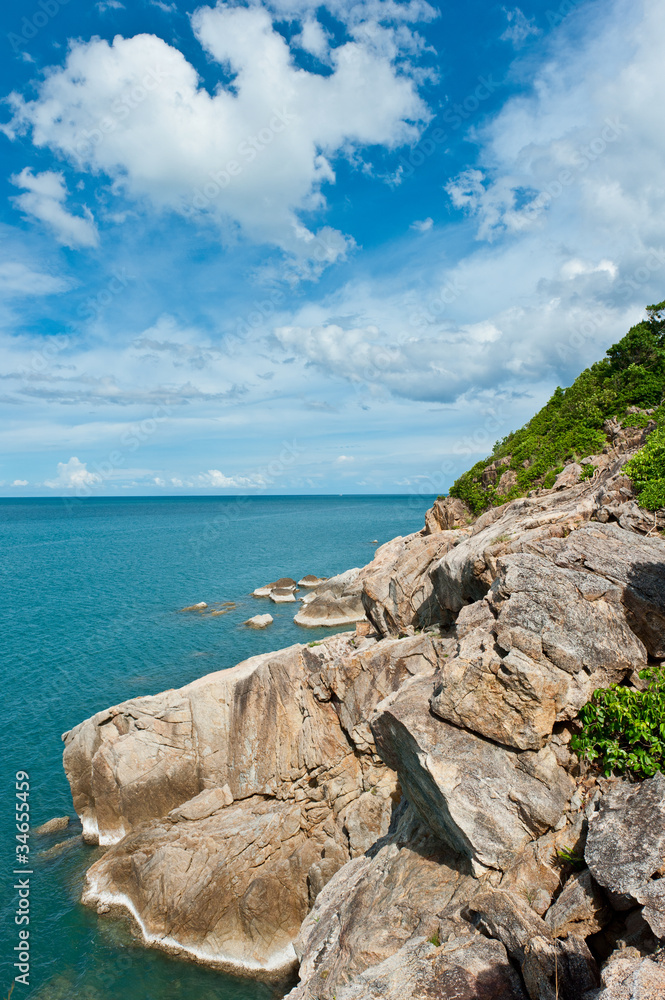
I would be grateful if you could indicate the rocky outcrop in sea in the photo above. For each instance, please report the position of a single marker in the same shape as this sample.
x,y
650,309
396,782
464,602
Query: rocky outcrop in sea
x,y
398,815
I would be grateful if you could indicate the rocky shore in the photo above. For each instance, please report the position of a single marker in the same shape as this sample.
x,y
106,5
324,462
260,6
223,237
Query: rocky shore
x,y
399,815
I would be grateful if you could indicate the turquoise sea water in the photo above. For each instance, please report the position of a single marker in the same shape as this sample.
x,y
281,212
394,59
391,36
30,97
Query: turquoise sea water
x,y
89,599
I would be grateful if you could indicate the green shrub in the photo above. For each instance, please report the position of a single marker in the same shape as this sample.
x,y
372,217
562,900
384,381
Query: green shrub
x,y
647,470
623,730
570,425
587,472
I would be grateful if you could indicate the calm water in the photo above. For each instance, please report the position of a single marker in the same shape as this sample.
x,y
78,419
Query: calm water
x,y
89,599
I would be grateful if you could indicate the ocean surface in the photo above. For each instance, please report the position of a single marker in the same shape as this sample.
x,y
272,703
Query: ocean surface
x,y
90,593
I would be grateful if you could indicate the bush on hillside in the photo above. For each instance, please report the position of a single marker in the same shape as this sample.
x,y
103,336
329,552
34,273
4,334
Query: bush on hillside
x,y
570,425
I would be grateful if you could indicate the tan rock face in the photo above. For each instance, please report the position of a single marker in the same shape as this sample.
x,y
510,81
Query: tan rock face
x,y
486,801
335,603
534,650
261,764
397,590
446,514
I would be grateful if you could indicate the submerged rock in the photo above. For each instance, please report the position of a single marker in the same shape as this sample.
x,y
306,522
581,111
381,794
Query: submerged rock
x,y
55,825
201,606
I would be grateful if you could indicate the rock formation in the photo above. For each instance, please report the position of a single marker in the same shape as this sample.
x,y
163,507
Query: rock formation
x,y
399,813
260,621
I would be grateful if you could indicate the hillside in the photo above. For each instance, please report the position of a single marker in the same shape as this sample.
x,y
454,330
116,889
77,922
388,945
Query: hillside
x,y
572,425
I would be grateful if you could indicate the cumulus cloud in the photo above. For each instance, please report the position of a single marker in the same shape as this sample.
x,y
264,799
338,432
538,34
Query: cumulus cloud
x,y
44,200
20,482
250,157
73,474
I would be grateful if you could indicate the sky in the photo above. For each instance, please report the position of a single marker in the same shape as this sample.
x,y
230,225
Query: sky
x,y
291,247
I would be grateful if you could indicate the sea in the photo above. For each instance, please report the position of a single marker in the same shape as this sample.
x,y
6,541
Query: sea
x,y
90,599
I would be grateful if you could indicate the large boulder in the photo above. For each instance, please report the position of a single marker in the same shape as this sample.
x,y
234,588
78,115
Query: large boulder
x,y
388,925
246,789
335,603
483,799
397,590
628,975
533,651
625,848
445,514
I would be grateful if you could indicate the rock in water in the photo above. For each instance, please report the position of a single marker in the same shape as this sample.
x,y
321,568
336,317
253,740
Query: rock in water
x,y
55,825
335,603
312,581
282,595
201,606
264,764
260,621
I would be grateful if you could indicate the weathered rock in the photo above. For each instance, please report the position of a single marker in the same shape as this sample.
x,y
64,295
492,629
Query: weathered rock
x,y
631,561
625,847
507,482
486,801
282,595
367,934
182,781
581,909
445,514
550,967
397,590
55,825
312,581
284,583
534,650
201,886
629,976
201,606
335,603
260,621
568,476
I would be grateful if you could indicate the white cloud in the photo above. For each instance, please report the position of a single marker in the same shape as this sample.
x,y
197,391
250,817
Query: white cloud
x,y
20,482
73,474
344,459
422,225
44,199
519,27
17,278
109,5
252,156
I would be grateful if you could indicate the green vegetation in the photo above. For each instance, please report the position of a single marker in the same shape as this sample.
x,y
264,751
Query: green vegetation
x,y
623,730
569,857
570,425
434,939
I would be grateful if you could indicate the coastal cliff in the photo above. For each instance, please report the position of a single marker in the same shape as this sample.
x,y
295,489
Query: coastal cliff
x,y
400,814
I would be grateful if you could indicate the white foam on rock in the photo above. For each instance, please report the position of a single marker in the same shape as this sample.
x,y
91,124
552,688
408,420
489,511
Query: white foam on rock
x,y
279,961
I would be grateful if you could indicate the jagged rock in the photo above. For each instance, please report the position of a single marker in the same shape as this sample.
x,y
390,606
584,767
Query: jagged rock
x,y
397,590
486,801
260,621
550,967
534,650
335,603
625,848
506,483
367,933
55,825
629,560
568,476
581,909
627,975
445,514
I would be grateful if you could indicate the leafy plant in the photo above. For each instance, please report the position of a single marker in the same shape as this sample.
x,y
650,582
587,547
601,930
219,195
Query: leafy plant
x,y
623,730
647,470
568,855
587,472
435,940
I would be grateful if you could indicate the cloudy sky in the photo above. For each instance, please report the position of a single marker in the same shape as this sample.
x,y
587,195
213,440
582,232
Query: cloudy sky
x,y
296,247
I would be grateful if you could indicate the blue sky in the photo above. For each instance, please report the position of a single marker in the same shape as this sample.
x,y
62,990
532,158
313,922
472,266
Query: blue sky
x,y
293,247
